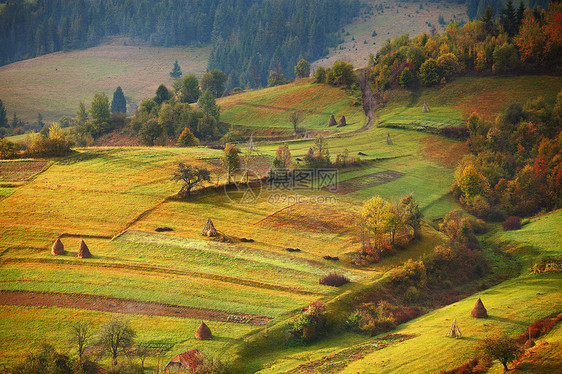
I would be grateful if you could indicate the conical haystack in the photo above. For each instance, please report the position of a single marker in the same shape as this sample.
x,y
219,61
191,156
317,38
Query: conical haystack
x,y
388,140
454,331
209,229
332,121
342,122
203,332
425,108
83,251
479,311
58,248
530,343
306,135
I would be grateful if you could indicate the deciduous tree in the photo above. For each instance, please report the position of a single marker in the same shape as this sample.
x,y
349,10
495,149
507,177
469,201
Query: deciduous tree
x,y
115,336
208,105
190,176
214,81
302,69
231,160
99,109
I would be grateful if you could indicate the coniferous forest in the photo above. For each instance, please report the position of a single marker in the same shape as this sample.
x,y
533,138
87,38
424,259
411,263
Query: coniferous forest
x,y
249,37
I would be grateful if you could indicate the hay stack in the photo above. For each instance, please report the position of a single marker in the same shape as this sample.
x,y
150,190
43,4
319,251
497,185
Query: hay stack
x,y
203,332
530,343
332,121
479,310
83,251
58,248
454,331
425,108
342,122
388,140
306,135
209,229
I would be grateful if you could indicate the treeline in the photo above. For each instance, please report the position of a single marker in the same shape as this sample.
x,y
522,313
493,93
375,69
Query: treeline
x,y
249,38
475,8
519,41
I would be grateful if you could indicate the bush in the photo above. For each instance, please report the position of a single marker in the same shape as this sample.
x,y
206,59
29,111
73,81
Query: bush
x,y
334,279
311,324
8,149
512,223
478,225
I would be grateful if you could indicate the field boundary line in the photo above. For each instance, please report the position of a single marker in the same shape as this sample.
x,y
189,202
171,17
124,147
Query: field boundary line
x,y
141,216
163,270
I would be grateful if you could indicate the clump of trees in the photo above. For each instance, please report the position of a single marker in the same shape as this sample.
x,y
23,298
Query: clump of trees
x,y
514,167
518,41
339,74
387,227
312,324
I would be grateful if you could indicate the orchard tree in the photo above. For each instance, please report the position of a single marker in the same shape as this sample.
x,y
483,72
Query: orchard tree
x,y
501,348
191,177
302,69
119,103
213,80
410,213
231,159
116,335
176,71
80,333
295,118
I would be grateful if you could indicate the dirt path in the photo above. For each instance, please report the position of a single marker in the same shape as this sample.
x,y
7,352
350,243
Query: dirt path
x,y
114,305
369,102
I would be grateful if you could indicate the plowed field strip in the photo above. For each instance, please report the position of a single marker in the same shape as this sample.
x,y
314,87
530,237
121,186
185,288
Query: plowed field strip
x,y
115,305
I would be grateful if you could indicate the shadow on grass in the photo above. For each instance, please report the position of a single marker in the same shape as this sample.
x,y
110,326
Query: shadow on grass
x,y
507,320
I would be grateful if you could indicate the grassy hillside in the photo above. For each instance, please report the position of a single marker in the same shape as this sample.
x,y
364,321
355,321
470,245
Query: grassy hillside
x,y
421,345
54,84
395,19
450,104
270,108
116,198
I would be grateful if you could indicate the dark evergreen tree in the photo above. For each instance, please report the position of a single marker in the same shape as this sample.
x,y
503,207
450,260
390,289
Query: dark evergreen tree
x,y
3,117
508,19
176,71
162,94
118,104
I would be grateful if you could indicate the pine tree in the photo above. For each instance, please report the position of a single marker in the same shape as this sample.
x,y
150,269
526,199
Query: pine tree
x,y
3,117
118,104
176,71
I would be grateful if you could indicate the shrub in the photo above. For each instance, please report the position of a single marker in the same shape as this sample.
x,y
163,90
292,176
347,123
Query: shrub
x,y
512,223
478,225
8,149
334,279
311,324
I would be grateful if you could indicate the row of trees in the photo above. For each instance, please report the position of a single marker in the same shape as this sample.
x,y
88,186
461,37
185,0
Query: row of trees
x,y
249,38
514,167
519,40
